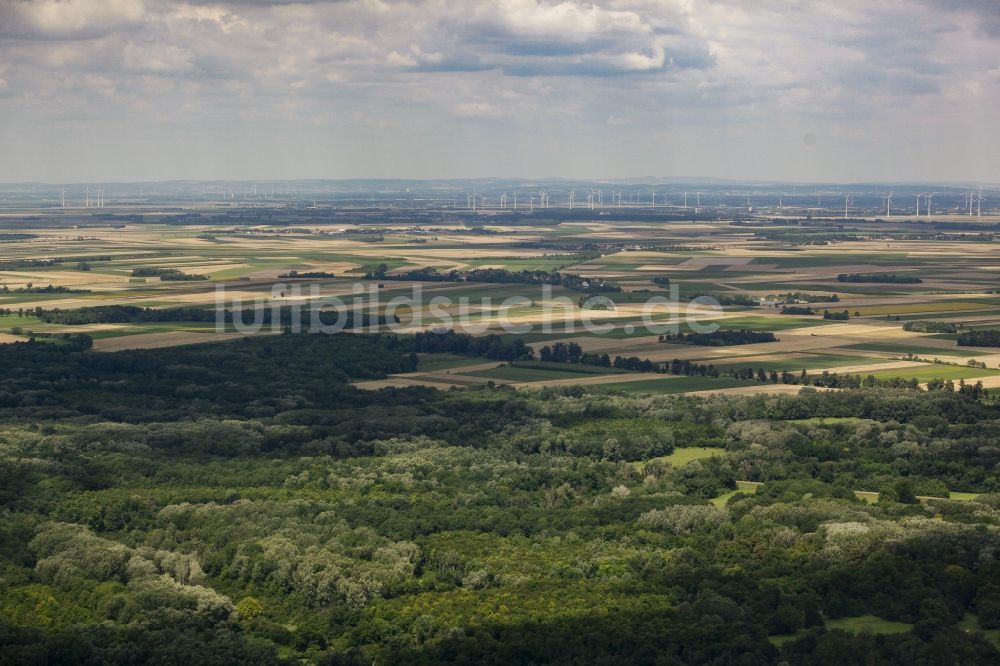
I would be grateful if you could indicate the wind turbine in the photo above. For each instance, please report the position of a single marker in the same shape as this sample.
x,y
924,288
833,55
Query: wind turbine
x,y
929,203
979,203
847,202
572,195
918,203
685,199
888,200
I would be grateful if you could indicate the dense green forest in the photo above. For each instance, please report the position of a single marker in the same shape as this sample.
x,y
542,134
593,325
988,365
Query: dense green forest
x,y
884,278
720,338
980,338
242,503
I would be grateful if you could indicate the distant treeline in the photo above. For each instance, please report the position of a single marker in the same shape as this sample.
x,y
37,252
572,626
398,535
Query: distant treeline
x,y
295,275
797,310
836,316
883,278
984,338
166,274
562,352
720,338
10,238
488,346
729,299
572,353
43,290
55,261
131,314
120,314
27,263
497,276
930,327
803,297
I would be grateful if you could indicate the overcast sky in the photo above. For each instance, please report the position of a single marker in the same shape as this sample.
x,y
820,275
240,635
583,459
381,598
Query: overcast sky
x,y
832,90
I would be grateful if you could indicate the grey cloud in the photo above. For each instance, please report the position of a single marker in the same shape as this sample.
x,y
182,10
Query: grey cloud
x,y
326,73
67,19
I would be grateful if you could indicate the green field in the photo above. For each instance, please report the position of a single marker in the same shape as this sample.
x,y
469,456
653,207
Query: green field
x,y
681,456
806,362
970,624
917,350
929,371
533,371
960,307
863,624
674,385
741,487
871,497
439,362
766,323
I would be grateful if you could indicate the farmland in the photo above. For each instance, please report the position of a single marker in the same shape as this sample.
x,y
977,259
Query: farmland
x,y
655,273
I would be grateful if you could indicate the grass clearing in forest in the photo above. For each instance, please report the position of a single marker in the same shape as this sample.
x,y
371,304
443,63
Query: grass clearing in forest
x,y
970,624
741,487
681,456
862,624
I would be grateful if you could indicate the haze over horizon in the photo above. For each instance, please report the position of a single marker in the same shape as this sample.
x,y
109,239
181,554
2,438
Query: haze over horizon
x,y
148,90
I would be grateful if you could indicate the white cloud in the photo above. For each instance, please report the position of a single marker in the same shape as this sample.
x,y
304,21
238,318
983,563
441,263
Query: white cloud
x,y
478,110
67,19
157,58
534,71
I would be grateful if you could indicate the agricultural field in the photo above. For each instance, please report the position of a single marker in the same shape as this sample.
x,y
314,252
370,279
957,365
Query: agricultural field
x,y
647,272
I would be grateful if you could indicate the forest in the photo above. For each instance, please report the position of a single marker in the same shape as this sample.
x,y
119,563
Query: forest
x,y
243,503
980,338
720,338
881,278
498,276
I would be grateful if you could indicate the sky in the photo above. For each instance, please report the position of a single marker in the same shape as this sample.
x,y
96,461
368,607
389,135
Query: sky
x,y
821,91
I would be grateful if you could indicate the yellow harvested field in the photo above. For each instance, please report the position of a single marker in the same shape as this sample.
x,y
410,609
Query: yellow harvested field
x,y
861,331
73,279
